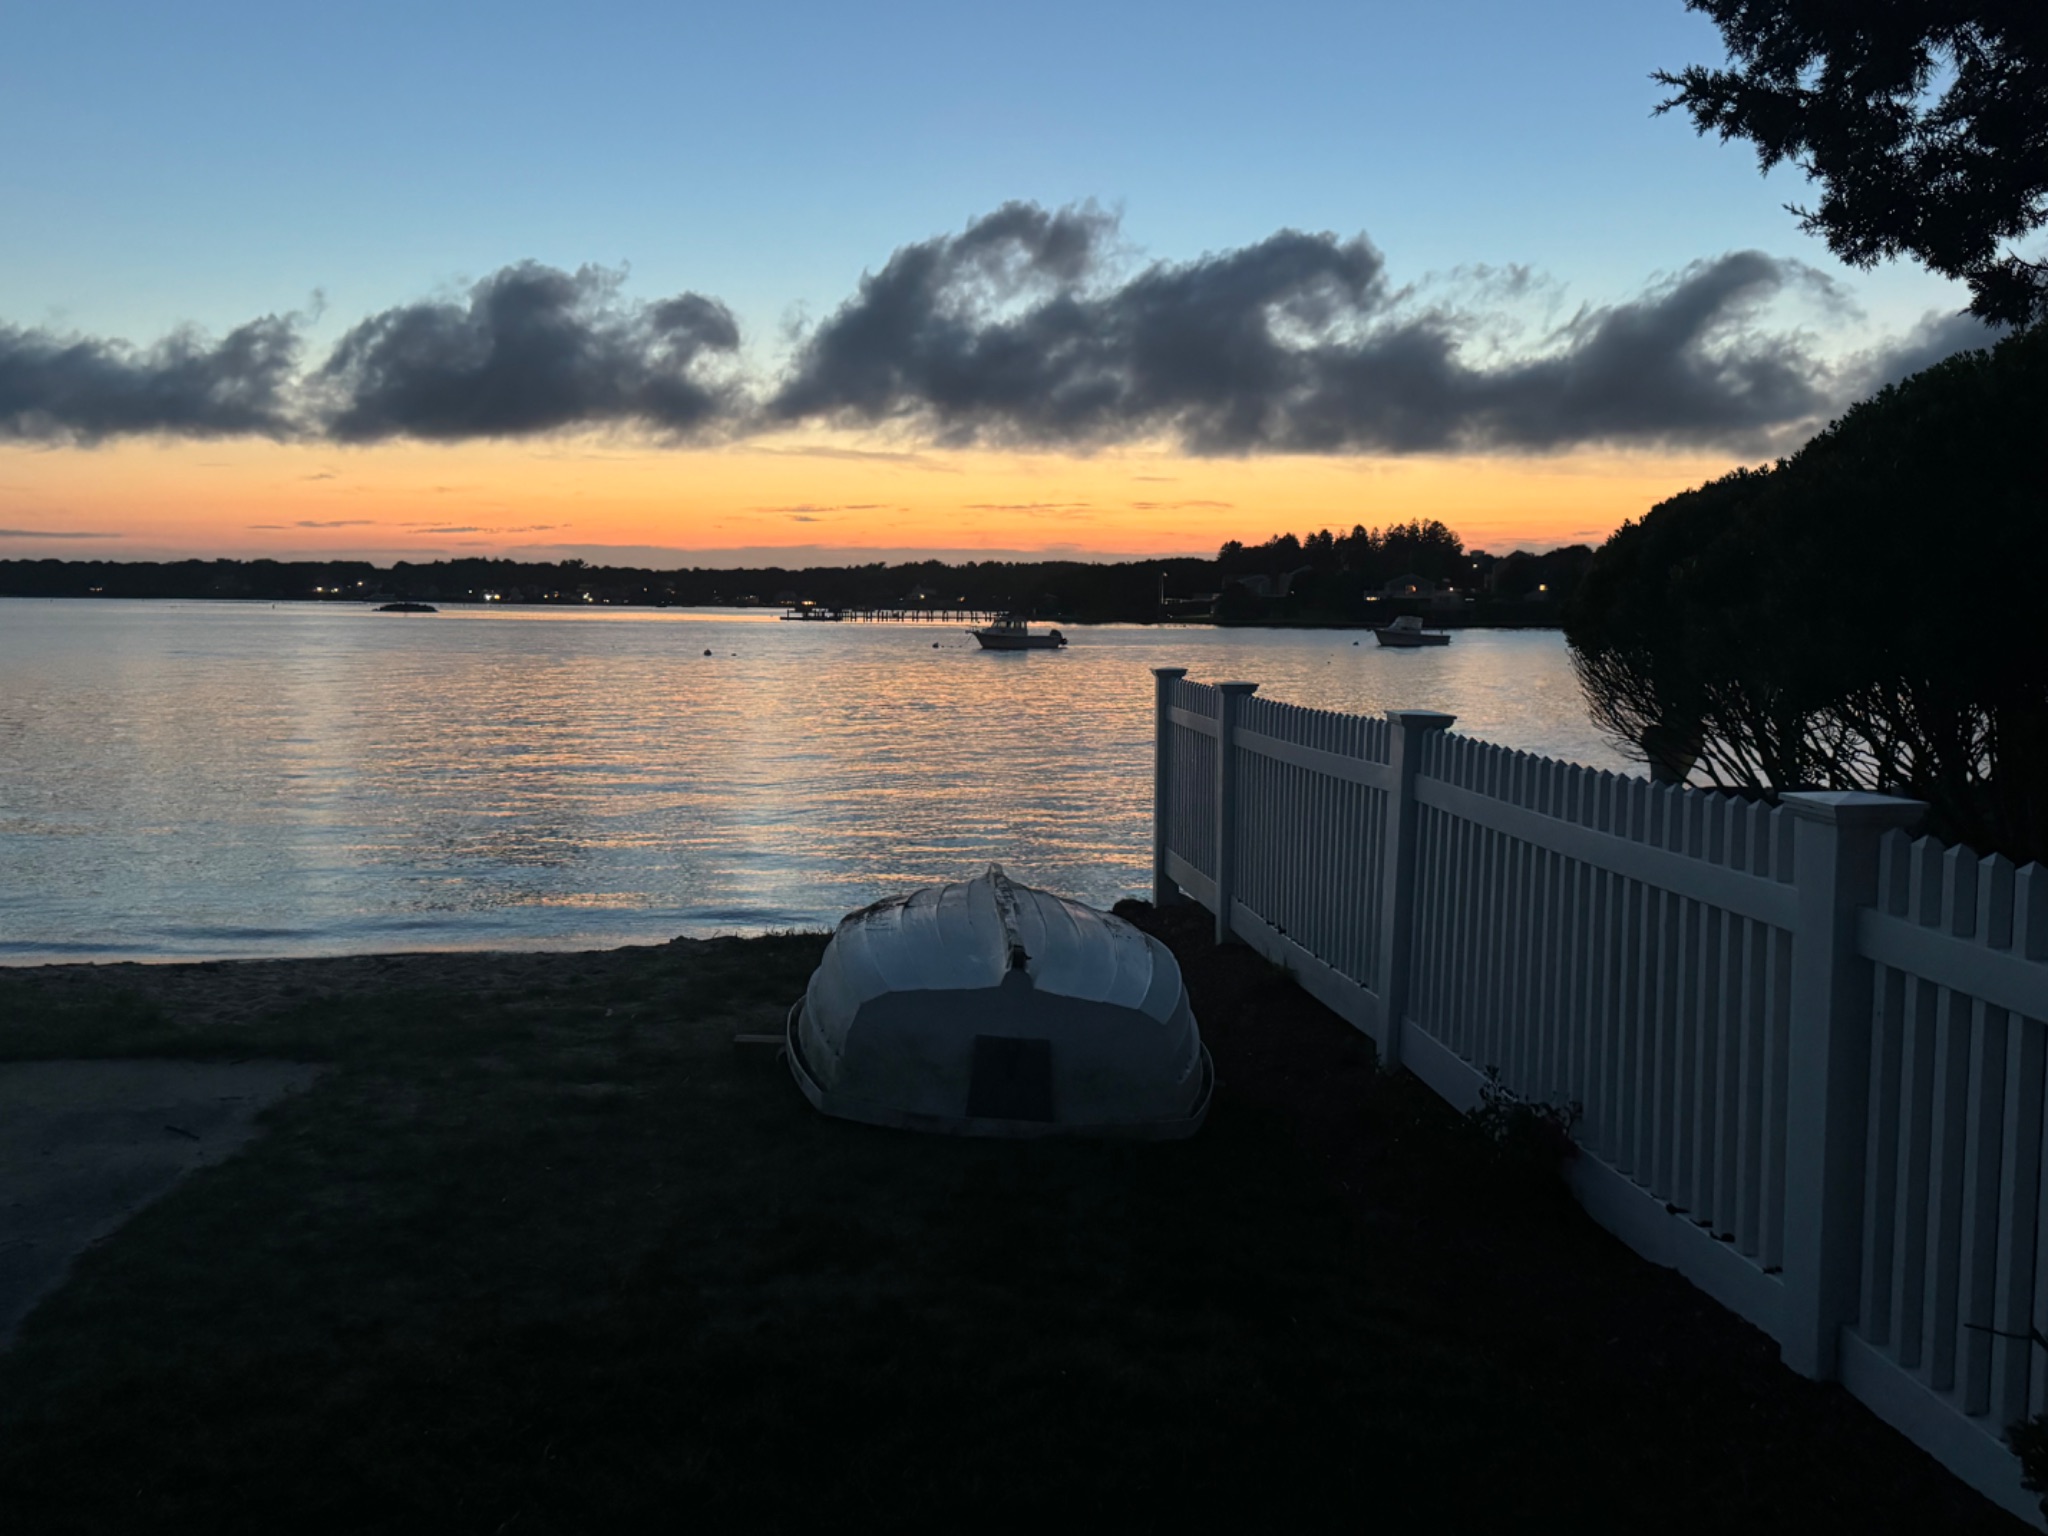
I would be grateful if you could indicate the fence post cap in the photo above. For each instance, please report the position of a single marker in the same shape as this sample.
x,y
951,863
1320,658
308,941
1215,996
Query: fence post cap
x,y
1238,687
1855,808
1169,671
1422,719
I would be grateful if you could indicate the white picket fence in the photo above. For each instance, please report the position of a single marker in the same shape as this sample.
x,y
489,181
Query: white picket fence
x,y
1811,1050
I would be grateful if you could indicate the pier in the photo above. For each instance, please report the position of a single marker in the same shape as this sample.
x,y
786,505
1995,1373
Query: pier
x,y
822,613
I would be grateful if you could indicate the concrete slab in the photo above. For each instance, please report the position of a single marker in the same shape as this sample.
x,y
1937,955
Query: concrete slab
x,y
84,1145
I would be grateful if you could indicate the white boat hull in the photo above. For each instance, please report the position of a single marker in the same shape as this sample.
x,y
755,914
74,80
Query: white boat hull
x,y
990,1009
1411,639
871,1112
997,640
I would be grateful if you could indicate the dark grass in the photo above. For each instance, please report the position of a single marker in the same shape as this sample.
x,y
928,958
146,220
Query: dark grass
x,y
556,1256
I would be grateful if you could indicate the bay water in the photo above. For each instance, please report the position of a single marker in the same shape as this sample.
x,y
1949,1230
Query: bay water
x,y
216,780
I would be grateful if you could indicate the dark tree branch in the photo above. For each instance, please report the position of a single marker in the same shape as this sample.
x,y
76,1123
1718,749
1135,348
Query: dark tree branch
x,y
1925,126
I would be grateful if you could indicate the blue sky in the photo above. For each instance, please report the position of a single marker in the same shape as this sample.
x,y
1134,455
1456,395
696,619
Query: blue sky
x,y
208,162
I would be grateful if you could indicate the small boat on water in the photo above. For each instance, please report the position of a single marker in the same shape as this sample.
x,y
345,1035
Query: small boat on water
x,y
987,1008
1013,634
1407,631
408,608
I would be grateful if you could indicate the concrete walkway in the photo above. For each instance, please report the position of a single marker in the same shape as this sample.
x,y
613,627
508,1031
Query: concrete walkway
x,y
84,1145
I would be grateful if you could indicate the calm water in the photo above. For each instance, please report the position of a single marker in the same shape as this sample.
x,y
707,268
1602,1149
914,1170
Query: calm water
x,y
215,780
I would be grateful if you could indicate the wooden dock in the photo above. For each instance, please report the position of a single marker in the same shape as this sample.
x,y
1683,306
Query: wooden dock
x,y
820,613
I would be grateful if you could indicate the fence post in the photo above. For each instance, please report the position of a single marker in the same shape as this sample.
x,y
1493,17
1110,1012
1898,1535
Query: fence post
x,y
1827,1090
1405,731
1164,891
1234,695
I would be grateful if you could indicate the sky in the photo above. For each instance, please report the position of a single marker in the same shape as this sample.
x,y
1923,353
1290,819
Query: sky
x,y
805,283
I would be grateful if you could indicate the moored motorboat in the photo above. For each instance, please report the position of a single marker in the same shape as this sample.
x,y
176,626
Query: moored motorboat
x,y
1013,634
1407,631
987,1008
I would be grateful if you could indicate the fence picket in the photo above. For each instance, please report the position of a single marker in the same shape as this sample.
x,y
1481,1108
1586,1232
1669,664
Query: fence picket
x,y
1916,1123
2016,1261
1776,1050
1948,1138
1631,1086
1471,933
1606,1079
1887,1057
1983,1154
2023,1309
1710,816
1517,983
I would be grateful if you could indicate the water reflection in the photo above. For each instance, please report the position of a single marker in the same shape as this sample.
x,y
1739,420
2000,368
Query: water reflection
x,y
191,779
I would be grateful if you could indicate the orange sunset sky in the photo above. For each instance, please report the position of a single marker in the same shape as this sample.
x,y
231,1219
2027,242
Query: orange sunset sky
x,y
814,497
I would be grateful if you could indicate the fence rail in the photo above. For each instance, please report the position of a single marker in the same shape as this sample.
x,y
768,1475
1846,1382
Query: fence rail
x,y
1809,1048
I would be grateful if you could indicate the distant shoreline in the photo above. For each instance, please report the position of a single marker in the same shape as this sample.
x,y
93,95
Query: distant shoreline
x,y
1356,583
1492,620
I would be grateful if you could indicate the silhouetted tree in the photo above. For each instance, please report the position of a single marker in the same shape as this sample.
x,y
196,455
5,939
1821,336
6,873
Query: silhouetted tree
x,y
1282,552
1425,548
1518,574
1829,623
1359,550
1236,604
1926,126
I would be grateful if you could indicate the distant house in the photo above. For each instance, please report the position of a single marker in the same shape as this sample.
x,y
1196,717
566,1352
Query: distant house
x,y
1258,586
1287,579
1410,585
1436,596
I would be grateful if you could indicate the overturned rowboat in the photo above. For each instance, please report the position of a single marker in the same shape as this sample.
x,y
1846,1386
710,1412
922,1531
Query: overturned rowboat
x,y
987,1008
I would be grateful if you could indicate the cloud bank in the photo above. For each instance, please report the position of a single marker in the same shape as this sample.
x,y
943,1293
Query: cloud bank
x,y
1027,329
534,350
1009,333
57,389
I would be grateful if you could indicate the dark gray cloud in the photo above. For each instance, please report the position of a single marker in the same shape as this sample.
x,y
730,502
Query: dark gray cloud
x,y
71,389
1016,332
859,456
1028,506
49,533
807,511
533,349
1027,329
1936,336
310,522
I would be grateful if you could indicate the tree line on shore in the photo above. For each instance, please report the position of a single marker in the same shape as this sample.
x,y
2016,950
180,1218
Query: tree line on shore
x,y
1859,615
1327,577
1317,578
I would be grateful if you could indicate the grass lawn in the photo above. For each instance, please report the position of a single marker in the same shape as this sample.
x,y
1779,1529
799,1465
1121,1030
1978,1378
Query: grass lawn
x,y
547,1252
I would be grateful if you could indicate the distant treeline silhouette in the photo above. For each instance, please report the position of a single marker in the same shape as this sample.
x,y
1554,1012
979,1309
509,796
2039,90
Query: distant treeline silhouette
x,y
1321,577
